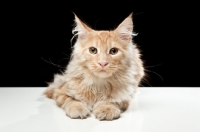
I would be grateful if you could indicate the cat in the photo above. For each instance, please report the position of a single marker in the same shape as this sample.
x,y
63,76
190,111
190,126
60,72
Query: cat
x,y
104,71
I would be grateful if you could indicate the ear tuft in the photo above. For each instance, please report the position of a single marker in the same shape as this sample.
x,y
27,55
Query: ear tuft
x,y
80,29
125,29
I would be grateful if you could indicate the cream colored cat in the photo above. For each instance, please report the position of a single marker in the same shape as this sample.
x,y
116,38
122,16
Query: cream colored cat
x,y
104,70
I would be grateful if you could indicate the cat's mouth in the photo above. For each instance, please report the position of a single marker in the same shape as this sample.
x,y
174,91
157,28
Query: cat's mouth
x,y
102,70
102,73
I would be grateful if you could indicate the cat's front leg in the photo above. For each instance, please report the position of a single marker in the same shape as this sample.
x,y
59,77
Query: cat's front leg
x,y
106,111
73,108
76,109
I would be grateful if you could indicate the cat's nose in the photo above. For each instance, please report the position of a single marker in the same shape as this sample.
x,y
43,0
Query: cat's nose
x,y
103,64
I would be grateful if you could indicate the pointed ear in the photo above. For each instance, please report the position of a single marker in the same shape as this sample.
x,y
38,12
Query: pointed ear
x,y
125,29
80,29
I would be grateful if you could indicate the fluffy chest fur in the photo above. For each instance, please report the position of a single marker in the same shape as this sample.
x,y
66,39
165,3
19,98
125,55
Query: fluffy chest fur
x,y
88,88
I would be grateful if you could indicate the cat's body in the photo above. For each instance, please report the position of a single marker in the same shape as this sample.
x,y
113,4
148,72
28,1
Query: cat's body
x,y
104,70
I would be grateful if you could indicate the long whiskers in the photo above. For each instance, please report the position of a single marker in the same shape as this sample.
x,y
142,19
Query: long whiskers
x,y
63,59
153,65
145,81
141,85
155,73
50,62
66,55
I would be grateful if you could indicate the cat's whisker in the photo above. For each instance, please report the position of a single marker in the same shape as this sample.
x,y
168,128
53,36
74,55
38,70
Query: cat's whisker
x,y
66,55
141,85
153,65
61,72
155,73
52,63
143,80
63,59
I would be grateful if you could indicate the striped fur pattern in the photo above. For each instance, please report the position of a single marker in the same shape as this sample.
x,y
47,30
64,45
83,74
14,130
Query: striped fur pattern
x,y
100,82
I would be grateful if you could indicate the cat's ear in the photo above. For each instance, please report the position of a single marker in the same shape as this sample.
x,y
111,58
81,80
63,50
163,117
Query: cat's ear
x,y
80,29
125,29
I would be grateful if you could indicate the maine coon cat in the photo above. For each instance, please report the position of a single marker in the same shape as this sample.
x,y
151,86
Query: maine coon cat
x,y
104,70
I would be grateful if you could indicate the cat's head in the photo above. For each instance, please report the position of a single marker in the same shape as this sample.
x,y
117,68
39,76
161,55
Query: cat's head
x,y
104,52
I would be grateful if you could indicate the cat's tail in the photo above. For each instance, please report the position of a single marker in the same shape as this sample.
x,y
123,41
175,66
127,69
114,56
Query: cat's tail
x,y
58,95
57,84
55,91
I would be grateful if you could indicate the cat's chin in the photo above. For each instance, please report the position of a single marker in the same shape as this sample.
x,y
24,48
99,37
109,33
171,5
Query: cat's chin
x,y
102,74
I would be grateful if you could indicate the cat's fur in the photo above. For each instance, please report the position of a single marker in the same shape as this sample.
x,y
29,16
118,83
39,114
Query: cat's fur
x,y
86,87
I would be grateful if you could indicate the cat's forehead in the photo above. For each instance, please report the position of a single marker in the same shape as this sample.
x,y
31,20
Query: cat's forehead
x,y
103,36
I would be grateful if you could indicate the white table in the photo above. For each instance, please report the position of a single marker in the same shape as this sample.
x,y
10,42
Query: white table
x,y
152,110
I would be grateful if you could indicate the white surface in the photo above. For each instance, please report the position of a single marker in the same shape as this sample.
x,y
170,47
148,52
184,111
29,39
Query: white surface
x,y
152,110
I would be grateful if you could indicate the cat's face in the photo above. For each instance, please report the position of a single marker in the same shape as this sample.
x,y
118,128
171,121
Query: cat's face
x,y
103,52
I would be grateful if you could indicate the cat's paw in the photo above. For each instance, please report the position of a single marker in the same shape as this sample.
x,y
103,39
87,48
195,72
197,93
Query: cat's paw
x,y
49,93
107,112
123,105
77,110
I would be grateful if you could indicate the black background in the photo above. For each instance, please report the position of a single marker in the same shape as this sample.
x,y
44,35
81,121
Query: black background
x,y
38,33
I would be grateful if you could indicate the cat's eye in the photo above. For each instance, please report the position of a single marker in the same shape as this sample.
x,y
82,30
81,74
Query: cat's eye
x,y
113,51
93,50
